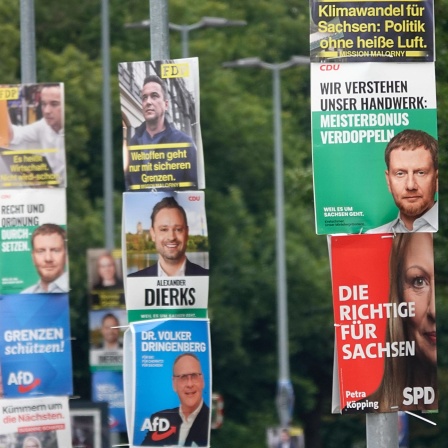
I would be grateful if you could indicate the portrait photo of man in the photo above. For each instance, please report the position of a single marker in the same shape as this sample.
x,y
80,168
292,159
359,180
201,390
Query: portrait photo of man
x,y
49,255
156,128
106,337
110,333
189,422
169,232
46,132
412,165
162,143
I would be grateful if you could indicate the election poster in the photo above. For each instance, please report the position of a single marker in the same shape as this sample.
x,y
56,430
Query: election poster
x,y
366,31
35,422
33,255
290,437
35,346
89,424
105,279
357,109
32,144
385,328
167,370
162,142
106,339
107,387
166,260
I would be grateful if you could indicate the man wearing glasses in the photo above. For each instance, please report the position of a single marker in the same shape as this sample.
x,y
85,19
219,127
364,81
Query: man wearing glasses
x,y
188,423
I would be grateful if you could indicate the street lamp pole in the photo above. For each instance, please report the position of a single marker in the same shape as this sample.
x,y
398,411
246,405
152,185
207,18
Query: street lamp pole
x,y
27,42
285,393
159,34
205,22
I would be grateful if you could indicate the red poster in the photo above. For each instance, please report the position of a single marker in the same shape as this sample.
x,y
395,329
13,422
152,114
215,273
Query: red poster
x,y
384,311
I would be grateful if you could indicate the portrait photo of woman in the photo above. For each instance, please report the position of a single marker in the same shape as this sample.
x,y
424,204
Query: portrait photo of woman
x,y
412,281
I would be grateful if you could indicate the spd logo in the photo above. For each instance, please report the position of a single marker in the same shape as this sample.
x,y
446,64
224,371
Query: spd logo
x,y
175,70
24,380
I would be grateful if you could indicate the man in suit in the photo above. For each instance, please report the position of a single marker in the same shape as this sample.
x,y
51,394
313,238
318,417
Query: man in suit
x,y
49,254
110,333
412,177
188,424
169,231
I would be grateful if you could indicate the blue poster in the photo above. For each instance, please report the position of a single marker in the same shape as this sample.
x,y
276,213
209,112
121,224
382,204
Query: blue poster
x,y
168,362
107,386
35,348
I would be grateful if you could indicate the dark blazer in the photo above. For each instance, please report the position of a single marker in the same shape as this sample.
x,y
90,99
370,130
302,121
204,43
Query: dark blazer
x,y
191,269
198,434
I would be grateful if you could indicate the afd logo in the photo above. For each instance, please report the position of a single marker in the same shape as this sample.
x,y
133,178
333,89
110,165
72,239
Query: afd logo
x,y
113,422
160,428
24,380
157,424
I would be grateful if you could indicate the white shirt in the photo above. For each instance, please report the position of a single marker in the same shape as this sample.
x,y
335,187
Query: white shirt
x,y
187,423
179,273
59,285
428,222
39,135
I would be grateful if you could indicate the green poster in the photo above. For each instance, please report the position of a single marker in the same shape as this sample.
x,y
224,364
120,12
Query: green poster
x,y
356,110
33,255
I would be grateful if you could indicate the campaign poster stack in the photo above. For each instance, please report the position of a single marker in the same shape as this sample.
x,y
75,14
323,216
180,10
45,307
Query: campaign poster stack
x,y
35,342
107,320
378,207
165,255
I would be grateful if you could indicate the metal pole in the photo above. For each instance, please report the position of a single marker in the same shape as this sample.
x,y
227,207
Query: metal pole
x,y
27,42
285,393
107,147
382,430
280,232
185,42
108,186
159,30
